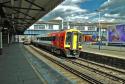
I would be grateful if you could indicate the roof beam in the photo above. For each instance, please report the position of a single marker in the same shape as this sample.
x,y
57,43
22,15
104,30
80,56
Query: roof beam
x,y
35,5
23,18
7,1
22,22
21,8
24,14
25,21
2,14
15,21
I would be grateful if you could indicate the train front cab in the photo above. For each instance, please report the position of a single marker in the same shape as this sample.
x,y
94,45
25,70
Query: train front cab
x,y
73,43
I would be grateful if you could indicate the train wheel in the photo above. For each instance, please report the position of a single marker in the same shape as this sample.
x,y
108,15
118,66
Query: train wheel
x,y
58,51
52,50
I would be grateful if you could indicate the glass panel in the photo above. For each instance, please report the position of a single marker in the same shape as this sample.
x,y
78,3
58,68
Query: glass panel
x,y
80,37
68,37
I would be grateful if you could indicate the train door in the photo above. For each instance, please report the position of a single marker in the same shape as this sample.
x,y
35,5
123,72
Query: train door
x,y
74,40
61,41
68,42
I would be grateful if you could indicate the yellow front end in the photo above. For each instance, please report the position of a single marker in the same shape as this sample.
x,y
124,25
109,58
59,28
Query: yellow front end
x,y
73,42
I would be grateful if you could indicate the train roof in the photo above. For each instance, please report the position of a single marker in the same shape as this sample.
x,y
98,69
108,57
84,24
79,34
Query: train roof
x,y
70,30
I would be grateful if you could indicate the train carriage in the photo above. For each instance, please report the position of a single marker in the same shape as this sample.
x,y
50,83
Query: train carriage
x,y
66,42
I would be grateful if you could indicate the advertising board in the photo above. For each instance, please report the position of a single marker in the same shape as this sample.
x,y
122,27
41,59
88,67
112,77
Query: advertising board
x,y
116,33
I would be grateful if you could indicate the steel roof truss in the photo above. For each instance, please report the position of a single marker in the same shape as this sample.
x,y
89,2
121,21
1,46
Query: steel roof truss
x,y
23,19
21,8
24,14
7,1
35,5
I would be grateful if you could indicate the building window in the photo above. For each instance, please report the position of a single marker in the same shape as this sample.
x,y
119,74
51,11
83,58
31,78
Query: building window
x,y
91,28
35,27
39,26
50,26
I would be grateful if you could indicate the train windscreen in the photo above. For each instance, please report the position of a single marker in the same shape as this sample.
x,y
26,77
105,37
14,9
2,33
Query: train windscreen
x,y
68,38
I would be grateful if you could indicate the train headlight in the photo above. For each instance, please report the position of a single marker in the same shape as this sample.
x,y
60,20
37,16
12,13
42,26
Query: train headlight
x,y
79,43
68,43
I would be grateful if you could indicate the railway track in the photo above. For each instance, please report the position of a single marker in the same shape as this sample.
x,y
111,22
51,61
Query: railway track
x,y
70,69
111,73
111,70
80,67
103,65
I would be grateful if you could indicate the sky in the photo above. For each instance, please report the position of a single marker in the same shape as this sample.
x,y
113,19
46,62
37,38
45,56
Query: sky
x,y
89,10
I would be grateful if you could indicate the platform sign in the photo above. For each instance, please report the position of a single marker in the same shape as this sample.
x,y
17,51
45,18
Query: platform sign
x,y
116,33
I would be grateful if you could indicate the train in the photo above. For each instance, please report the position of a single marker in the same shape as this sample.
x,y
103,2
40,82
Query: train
x,y
66,42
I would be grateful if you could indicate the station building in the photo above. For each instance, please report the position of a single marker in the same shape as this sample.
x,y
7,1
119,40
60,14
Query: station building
x,y
87,29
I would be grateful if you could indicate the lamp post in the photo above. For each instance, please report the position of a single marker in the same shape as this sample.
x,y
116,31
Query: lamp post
x,y
62,24
1,40
99,26
99,40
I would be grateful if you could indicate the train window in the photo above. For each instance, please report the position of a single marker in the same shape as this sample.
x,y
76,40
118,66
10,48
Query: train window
x,y
80,37
53,38
47,38
40,38
68,37
50,38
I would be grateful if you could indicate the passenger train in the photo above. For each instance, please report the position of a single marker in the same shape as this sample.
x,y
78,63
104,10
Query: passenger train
x,y
67,42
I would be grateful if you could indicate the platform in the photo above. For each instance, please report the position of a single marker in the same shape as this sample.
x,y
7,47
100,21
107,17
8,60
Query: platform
x,y
14,68
109,55
111,51
19,66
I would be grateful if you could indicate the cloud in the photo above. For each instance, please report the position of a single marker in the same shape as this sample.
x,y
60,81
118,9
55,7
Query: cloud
x,y
113,7
113,10
73,2
114,18
118,10
68,8
111,15
102,19
112,4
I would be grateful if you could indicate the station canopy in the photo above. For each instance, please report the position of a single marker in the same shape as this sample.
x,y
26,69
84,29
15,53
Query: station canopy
x,y
23,13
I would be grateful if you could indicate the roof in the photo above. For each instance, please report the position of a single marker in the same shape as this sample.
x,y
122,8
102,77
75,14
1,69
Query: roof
x,y
23,13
